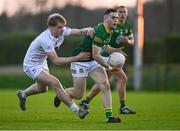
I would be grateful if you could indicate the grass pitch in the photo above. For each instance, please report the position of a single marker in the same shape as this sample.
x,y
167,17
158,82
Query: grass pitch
x,y
155,110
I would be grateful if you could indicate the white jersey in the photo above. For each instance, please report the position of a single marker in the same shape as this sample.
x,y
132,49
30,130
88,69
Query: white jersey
x,y
44,43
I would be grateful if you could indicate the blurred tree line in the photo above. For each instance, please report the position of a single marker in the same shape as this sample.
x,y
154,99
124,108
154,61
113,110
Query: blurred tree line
x,y
160,17
162,29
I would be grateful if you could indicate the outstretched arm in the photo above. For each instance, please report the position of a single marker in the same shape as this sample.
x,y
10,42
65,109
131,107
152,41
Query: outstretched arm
x,y
65,60
85,31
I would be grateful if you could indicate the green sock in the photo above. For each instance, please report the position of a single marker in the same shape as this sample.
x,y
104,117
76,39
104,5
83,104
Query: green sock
x,y
122,104
87,100
108,112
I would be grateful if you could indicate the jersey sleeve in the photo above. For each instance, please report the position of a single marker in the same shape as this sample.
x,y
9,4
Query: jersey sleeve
x,y
98,38
67,31
130,31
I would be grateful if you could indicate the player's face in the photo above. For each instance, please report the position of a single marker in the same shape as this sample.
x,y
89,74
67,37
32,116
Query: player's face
x,y
57,30
122,13
113,20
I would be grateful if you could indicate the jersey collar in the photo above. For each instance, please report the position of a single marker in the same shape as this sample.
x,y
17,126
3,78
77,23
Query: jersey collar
x,y
121,23
106,28
50,35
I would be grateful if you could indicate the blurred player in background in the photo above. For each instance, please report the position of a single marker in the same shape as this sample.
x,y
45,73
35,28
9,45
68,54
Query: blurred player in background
x,y
35,61
122,35
94,67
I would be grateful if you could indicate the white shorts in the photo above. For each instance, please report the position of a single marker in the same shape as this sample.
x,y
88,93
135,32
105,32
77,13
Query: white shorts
x,y
33,71
82,69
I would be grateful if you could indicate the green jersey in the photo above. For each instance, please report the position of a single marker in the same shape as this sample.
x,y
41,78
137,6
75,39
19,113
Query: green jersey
x,y
101,38
124,30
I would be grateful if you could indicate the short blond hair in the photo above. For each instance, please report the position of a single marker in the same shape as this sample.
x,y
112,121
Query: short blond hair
x,y
54,18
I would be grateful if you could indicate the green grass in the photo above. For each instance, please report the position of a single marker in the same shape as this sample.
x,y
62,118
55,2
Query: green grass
x,y
155,110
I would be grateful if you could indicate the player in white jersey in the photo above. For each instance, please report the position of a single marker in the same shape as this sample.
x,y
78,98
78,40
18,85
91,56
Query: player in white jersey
x,y
35,61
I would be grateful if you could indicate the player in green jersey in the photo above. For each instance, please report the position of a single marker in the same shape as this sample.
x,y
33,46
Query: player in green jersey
x,y
122,36
94,67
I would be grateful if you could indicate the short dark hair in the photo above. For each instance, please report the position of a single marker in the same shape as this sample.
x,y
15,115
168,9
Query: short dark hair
x,y
108,11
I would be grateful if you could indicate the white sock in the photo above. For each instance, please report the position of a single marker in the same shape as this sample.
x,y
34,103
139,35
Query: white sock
x,y
74,107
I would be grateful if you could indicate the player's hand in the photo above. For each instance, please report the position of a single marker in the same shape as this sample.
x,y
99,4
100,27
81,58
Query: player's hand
x,y
90,32
126,39
120,39
113,68
83,56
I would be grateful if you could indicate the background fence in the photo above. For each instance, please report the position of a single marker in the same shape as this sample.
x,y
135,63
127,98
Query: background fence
x,y
155,78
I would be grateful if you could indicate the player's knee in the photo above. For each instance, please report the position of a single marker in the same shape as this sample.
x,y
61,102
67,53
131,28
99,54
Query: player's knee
x,y
126,79
124,76
79,97
105,86
123,79
56,84
79,94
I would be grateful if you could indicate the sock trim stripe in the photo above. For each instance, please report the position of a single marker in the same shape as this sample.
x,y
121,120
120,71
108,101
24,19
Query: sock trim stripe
x,y
108,110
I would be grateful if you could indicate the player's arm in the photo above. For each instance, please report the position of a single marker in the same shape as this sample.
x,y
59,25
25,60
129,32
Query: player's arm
x,y
85,31
129,39
64,60
110,50
96,55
